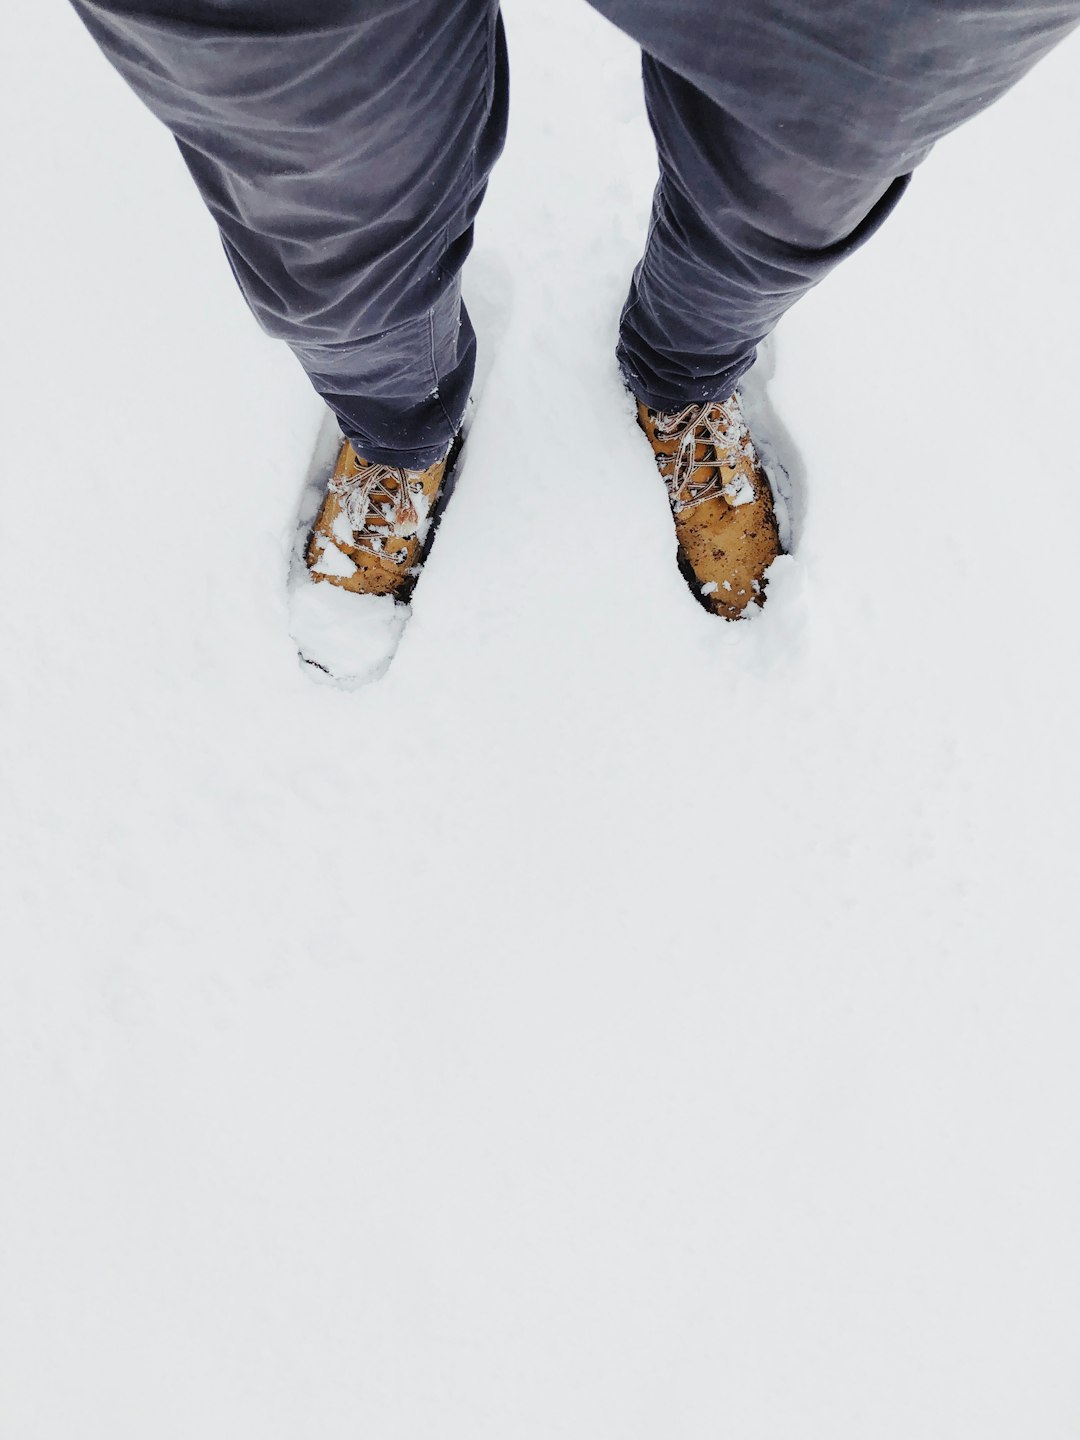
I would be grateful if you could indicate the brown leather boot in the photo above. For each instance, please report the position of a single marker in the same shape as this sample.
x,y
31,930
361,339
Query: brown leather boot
x,y
720,498
376,523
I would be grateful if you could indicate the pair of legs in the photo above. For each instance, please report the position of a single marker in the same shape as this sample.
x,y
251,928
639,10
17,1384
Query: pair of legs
x,y
343,147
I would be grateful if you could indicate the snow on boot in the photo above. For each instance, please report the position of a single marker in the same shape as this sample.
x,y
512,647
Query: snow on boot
x,y
369,536
725,524
363,554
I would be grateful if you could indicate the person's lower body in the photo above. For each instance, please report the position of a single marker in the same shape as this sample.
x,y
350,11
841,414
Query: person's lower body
x,y
787,131
343,146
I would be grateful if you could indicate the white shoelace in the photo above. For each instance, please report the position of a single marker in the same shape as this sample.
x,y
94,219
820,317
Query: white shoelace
x,y
722,429
379,501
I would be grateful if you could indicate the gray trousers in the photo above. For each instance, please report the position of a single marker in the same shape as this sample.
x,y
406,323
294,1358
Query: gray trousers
x,y
343,147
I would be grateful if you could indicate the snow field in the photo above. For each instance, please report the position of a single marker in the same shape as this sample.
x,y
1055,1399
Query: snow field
x,y
612,1023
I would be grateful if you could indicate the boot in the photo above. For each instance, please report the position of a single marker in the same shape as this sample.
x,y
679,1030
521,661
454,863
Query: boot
x,y
725,524
376,524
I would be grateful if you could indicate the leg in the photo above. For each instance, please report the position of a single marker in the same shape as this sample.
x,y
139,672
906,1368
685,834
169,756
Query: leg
x,y
787,131
343,147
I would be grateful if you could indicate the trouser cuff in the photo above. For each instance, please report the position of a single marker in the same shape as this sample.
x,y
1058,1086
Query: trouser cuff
x,y
668,392
400,397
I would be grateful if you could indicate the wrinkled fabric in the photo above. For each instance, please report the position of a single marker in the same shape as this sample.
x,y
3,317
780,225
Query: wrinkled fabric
x,y
787,131
343,147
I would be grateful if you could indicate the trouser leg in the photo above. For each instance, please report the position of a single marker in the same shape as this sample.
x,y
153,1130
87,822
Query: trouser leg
x,y
343,147
786,132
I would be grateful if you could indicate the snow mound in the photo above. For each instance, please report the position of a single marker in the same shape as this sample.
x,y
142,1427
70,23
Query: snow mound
x,y
351,638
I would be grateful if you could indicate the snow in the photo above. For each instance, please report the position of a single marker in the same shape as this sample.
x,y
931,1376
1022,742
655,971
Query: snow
x,y
352,638
343,531
332,561
739,491
611,1023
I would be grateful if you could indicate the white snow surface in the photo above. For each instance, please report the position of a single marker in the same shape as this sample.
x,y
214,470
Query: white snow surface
x,y
611,1023
351,638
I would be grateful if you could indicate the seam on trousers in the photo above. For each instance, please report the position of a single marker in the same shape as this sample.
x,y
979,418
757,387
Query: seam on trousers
x,y
639,273
431,343
333,348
